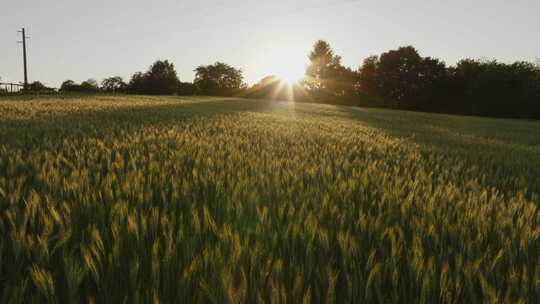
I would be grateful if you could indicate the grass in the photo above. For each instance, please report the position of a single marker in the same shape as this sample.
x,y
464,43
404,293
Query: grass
x,y
208,200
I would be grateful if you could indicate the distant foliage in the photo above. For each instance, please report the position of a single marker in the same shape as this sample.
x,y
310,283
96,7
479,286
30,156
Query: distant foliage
x,y
400,79
113,85
160,79
88,86
68,85
326,77
403,79
497,89
186,89
322,67
489,88
37,86
219,79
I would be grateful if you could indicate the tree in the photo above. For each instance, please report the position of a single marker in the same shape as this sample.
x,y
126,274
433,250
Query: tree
x,y
327,79
37,86
138,84
368,78
323,64
492,88
186,89
160,79
89,86
432,86
68,85
218,79
398,74
113,84
342,83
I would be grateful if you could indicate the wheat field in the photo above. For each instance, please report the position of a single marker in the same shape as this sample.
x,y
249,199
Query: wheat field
x,y
213,200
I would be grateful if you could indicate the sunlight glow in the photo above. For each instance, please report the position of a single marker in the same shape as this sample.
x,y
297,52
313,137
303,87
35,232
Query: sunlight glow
x,y
291,74
284,60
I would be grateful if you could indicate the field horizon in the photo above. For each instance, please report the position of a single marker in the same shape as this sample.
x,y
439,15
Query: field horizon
x,y
231,200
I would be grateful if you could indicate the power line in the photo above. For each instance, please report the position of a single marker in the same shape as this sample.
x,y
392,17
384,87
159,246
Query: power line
x,y
24,57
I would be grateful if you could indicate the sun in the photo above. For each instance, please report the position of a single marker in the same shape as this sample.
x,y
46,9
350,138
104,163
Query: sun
x,y
291,74
285,60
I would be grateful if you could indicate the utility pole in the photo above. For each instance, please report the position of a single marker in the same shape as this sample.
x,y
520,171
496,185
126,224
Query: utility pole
x,y
24,57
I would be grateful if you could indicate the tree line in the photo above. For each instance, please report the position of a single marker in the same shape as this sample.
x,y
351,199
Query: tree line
x,y
219,79
403,79
399,79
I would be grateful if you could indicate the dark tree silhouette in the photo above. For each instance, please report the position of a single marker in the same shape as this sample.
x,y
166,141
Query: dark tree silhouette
x,y
68,85
90,85
322,65
326,78
186,89
160,79
342,84
37,86
432,87
138,84
405,80
218,79
368,76
497,89
399,74
399,78
113,84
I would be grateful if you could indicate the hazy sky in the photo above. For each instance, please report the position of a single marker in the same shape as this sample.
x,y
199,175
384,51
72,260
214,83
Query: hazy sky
x,y
73,39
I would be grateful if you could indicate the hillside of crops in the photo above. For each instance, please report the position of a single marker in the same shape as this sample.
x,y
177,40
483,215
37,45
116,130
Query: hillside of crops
x,y
215,200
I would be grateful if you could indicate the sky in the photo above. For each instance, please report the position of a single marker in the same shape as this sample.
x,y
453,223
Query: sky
x,y
78,40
